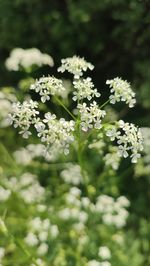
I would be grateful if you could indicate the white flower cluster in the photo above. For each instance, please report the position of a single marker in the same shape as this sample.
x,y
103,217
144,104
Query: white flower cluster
x,y
84,89
91,117
6,101
58,133
26,58
112,159
105,254
146,143
25,156
23,116
27,188
121,92
72,174
47,86
75,65
112,212
129,138
4,194
40,231
73,211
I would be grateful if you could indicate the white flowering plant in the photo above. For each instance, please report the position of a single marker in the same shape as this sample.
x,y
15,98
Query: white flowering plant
x,y
61,203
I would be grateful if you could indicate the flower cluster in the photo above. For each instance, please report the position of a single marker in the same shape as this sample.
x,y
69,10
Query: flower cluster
x,y
57,133
104,254
26,58
121,91
84,89
39,232
72,174
75,65
129,139
113,212
6,101
91,117
23,116
27,187
47,86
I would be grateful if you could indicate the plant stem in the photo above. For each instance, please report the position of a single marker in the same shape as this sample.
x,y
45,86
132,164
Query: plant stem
x,y
66,109
104,103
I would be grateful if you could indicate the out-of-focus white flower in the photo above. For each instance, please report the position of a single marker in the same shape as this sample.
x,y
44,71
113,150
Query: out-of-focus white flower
x,y
31,239
93,263
47,86
112,212
39,262
26,58
104,253
42,249
75,65
121,91
72,174
4,194
91,117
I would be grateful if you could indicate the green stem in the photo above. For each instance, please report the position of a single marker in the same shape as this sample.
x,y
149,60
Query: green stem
x,y
66,109
104,103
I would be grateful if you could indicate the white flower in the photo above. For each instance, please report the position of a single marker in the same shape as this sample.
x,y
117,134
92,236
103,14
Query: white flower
x,y
26,58
84,89
4,194
91,117
23,116
104,253
39,262
72,174
105,263
47,86
31,239
42,249
75,65
93,263
129,139
56,133
121,92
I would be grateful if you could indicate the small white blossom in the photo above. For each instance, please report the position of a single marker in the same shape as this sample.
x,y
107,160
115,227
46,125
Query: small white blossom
x,y
121,91
2,253
84,89
31,239
91,117
4,194
42,249
104,253
72,174
47,86
75,65
93,263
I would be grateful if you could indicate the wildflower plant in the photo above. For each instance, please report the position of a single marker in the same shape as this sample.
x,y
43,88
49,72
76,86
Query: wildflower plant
x,y
87,119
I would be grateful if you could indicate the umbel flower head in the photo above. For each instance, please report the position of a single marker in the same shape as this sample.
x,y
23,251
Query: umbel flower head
x,y
121,91
75,65
129,139
47,86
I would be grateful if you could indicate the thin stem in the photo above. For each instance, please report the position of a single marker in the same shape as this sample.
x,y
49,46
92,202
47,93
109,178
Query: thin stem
x,y
104,103
60,102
